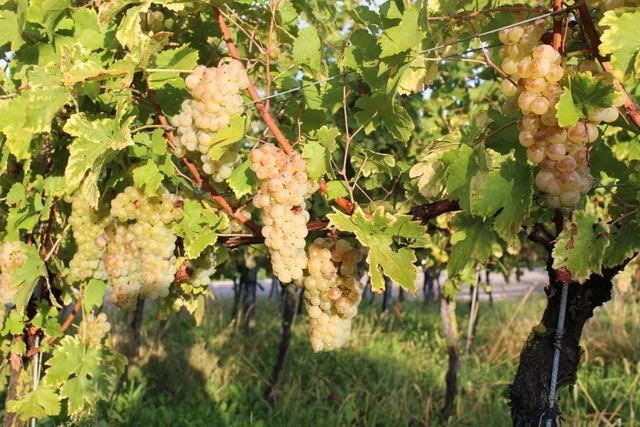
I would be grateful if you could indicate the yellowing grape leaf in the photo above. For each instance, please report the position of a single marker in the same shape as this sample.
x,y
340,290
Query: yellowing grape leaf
x,y
242,179
620,40
581,246
473,239
380,235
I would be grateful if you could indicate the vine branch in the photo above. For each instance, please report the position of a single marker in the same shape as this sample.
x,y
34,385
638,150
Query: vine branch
x,y
594,39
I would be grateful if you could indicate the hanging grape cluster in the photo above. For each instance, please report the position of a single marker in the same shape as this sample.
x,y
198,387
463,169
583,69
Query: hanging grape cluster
x,y
93,328
88,232
562,153
332,292
139,257
12,257
216,98
284,186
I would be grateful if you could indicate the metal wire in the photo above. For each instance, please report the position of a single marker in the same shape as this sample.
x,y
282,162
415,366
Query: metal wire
x,y
431,49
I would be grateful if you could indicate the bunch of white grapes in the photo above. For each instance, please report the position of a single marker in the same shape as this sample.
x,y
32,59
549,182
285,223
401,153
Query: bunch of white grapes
x,y
216,98
12,257
88,232
284,186
332,292
562,153
140,245
93,329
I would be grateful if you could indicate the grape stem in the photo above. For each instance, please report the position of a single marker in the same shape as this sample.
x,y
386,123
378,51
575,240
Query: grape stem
x,y
344,204
594,38
197,176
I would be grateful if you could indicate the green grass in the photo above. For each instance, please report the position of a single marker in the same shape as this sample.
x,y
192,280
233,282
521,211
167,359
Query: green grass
x,y
213,375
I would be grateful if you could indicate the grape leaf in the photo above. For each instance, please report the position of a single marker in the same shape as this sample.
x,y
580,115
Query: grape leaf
x,y
25,278
76,369
148,177
566,110
93,294
620,40
581,246
462,168
229,135
129,32
307,49
504,194
413,76
472,239
183,57
318,151
39,403
199,227
11,32
242,179
47,13
20,121
404,36
94,139
393,115
336,189
624,243
378,234
588,93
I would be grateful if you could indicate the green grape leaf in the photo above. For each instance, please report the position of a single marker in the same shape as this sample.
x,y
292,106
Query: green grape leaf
x,y
182,58
148,177
93,294
379,234
307,49
463,166
566,110
336,189
620,40
223,138
77,370
13,323
11,32
20,121
624,243
25,278
242,179
39,403
413,76
317,151
94,140
199,227
504,194
588,94
404,36
47,13
473,239
369,162
393,115
581,246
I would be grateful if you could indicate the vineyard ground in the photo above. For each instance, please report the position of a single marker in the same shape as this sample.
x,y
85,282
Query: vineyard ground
x,y
500,287
214,375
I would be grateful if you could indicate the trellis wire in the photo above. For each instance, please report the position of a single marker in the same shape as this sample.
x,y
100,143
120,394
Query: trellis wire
x,y
556,353
431,49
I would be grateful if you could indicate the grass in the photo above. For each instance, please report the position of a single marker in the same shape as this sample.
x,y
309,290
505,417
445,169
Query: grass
x,y
213,375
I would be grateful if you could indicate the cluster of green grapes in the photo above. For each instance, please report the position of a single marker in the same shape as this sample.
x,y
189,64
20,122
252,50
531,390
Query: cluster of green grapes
x,y
139,257
12,257
562,153
332,292
93,329
216,98
132,248
284,186
88,232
